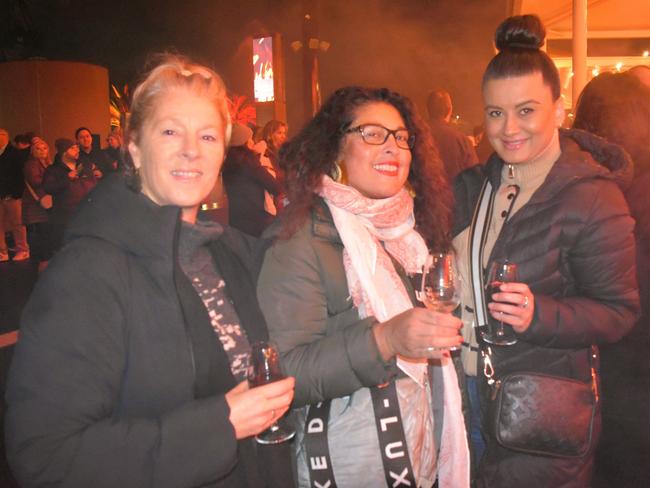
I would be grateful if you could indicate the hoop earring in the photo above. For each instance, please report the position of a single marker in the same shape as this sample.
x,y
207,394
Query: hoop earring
x,y
337,172
409,189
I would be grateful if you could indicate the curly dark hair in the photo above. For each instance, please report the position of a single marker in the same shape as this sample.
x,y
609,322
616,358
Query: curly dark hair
x,y
314,151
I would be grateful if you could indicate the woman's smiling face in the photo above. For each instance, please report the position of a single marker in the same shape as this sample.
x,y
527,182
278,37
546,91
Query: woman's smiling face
x,y
180,151
376,171
521,117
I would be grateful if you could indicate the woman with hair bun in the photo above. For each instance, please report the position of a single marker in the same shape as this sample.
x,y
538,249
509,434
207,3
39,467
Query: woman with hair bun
x,y
558,212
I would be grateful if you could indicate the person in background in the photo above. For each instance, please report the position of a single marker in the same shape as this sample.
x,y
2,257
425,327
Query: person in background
x,y
483,148
68,182
454,147
560,215
22,142
11,192
90,157
339,305
246,182
111,161
131,369
274,134
35,204
616,106
642,72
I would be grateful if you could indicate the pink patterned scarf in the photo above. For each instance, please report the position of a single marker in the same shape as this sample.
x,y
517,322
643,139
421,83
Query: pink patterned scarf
x,y
364,224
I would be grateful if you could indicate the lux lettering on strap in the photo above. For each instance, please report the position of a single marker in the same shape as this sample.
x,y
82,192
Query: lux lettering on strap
x,y
390,433
392,441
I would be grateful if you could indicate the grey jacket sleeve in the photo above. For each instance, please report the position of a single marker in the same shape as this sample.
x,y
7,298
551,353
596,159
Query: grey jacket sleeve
x,y
322,341
63,424
602,263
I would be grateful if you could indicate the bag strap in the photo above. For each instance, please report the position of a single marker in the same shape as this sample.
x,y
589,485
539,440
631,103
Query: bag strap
x,y
477,236
317,450
478,232
390,433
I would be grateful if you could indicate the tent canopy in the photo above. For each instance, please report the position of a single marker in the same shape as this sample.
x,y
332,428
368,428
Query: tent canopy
x,y
609,19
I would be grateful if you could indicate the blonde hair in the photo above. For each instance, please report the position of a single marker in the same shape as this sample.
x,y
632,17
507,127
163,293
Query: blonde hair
x,y
171,72
174,72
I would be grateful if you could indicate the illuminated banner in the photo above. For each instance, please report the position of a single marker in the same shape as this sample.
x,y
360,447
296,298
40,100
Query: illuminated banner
x,y
263,67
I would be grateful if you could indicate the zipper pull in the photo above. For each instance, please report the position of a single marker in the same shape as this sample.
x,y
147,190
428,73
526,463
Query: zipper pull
x,y
488,369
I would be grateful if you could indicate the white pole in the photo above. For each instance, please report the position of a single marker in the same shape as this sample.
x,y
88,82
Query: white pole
x,y
579,49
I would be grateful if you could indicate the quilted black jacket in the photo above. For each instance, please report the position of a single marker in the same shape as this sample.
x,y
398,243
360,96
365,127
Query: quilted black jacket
x,y
574,244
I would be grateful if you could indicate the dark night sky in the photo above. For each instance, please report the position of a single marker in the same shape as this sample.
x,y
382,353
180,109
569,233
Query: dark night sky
x,y
410,45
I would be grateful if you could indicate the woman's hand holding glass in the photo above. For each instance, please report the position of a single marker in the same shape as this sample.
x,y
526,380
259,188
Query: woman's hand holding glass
x,y
513,305
253,410
438,286
418,333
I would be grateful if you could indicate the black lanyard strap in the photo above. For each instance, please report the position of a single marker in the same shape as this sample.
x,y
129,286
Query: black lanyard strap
x,y
319,461
392,441
390,433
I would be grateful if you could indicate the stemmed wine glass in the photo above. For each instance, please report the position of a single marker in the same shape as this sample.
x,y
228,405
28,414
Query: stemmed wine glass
x,y
264,369
439,286
498,333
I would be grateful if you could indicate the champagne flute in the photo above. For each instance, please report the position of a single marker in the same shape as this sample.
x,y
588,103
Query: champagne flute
x,y
439,287
498,333
265,368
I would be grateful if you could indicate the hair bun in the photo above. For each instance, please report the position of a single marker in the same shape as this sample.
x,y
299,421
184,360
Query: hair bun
x,y
520,32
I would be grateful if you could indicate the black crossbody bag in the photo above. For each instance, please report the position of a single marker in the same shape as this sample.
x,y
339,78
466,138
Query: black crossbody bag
x,y
529,412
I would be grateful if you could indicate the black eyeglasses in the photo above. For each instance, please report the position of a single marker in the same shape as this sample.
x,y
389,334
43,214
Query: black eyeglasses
x,y
376,135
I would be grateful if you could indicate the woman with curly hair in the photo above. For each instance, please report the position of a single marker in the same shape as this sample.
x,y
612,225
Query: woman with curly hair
x,y
372,372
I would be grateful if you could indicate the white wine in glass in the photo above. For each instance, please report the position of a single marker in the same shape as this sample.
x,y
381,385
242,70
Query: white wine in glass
x,y
439,288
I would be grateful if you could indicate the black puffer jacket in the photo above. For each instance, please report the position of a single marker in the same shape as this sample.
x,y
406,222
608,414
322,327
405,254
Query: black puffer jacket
x,y
574,246
118,379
